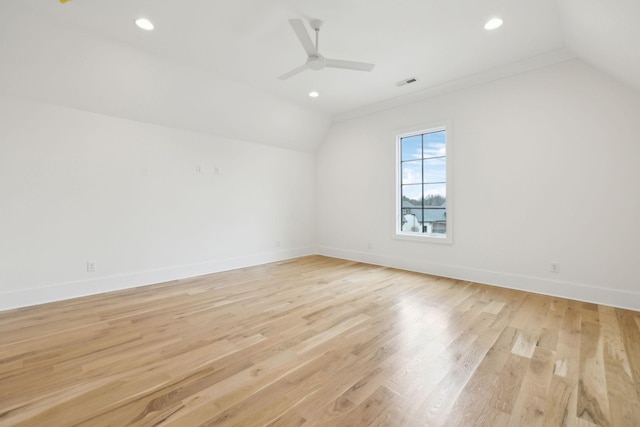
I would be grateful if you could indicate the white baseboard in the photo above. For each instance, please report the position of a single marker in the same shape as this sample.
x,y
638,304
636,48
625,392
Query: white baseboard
x,y
557,288
68,290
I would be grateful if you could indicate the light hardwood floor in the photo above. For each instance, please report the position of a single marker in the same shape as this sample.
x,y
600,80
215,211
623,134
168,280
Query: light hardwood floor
x,y
319,341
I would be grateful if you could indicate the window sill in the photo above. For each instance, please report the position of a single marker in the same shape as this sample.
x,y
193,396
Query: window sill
x,y
424,238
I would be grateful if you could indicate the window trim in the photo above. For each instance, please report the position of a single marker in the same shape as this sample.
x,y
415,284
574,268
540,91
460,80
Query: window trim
x,y
398,234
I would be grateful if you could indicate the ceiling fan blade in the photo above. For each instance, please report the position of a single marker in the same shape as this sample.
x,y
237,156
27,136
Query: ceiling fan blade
x,y
303,36
294,72
349,65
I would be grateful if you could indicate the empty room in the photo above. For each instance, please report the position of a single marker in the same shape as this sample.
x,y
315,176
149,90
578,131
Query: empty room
x,y
319,213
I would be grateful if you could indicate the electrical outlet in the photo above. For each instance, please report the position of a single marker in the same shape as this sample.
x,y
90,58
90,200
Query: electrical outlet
x,y
555,267
92,266
199,168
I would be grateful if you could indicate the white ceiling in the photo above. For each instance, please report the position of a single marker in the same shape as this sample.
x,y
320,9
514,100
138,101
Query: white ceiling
x,y
250,43
606,34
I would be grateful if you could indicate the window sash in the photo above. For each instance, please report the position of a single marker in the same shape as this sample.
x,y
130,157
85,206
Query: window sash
x,y
423,172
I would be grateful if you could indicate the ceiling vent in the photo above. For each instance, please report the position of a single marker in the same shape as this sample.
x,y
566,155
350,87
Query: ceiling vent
x,y
406,81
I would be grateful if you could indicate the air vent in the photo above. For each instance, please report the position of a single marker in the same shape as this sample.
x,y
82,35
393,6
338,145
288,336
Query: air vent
x,y
406,81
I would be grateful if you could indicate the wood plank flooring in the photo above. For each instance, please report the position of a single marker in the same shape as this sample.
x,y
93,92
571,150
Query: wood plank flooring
x,y
319,341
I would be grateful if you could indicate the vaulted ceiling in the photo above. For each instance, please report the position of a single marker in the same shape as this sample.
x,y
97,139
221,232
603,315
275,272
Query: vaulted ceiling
x,y
212,58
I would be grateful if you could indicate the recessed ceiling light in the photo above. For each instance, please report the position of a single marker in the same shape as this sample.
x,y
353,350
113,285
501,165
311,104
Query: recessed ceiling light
x,y
144,23
314,94
493,23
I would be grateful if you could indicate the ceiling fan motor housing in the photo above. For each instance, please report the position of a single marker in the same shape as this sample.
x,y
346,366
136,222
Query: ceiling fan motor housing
x,y
316,62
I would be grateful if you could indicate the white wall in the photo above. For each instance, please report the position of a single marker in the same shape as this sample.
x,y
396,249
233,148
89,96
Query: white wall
x,y
78,186
546,168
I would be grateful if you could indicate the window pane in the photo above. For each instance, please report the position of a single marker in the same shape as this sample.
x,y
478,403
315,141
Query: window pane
x,y
412,192
412,220
435,144
435,220
411,147
412,172
435,195
435,170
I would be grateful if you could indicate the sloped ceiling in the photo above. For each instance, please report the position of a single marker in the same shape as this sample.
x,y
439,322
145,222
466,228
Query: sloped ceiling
x,y
606,34
212,65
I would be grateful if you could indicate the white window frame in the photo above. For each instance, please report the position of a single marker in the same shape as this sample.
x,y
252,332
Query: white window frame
x,y
397,202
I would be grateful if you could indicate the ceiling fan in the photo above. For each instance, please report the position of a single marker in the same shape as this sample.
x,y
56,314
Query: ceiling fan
x,y
315,60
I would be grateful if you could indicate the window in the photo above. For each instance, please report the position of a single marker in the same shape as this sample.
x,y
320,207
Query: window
x,y
423,184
